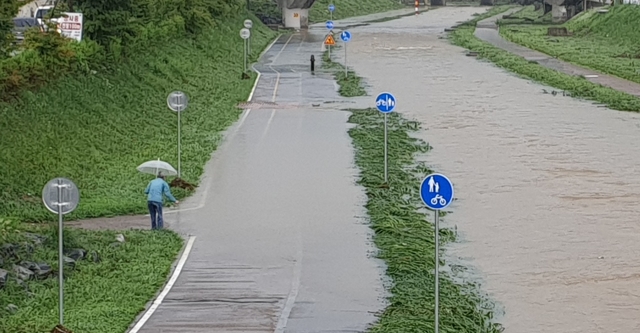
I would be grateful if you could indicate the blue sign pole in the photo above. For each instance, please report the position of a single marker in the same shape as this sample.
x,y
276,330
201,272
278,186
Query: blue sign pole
x,y
345,36
436,192
385,103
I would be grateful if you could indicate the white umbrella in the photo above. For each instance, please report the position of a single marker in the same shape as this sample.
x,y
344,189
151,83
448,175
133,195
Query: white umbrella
x,y
153,167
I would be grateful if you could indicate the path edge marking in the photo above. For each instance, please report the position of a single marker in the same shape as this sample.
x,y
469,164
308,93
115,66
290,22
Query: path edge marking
x,y
167,288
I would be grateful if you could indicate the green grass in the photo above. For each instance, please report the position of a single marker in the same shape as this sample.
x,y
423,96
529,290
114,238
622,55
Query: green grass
x,y
405,237
576,86
100,297
319,12
350,83
609,43
97,129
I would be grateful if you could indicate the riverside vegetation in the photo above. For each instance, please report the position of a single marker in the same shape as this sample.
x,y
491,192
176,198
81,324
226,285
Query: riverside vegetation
x,y
605,42
405,237
463,36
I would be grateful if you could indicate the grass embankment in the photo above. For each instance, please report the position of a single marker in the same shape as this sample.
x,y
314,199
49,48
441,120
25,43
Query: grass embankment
x,y
350,83
96,129
319,12
605,42
103,292
576,86
404,236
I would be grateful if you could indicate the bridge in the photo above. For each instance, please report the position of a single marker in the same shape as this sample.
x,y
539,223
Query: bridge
x,y
295,13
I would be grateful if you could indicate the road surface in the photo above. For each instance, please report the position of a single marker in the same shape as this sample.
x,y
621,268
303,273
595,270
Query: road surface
x,y
282,243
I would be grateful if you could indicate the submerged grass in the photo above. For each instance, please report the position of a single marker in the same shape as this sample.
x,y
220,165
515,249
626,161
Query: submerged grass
x,y
103,296
350,84
607,42
575,86
405,237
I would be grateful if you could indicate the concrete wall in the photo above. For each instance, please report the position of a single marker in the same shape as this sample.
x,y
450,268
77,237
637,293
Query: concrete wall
x,y
25,11
295,18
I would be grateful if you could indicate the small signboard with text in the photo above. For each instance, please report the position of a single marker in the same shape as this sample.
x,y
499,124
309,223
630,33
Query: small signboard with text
x,y
70,25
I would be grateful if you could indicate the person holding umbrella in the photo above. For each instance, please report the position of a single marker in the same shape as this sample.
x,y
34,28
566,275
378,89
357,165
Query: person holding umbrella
x,y
155,191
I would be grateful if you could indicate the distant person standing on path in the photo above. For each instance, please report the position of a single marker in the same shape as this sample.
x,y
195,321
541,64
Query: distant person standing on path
x,y
155,191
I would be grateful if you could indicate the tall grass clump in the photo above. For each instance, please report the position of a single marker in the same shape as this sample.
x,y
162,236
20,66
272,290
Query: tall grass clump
x,y
405,237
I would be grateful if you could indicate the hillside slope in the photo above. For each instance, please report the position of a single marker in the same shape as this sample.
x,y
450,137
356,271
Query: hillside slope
x,y
96,129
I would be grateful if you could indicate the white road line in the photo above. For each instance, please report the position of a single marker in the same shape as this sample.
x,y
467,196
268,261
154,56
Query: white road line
x,y
293,293
167,288
282,49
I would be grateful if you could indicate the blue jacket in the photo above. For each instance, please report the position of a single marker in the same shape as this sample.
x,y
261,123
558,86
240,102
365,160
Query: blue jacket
x,y
156,189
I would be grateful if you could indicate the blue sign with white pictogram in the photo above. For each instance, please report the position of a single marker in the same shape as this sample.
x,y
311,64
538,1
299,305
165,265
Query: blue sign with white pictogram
x,y
385,102
332,7
329,25
436,191
345,36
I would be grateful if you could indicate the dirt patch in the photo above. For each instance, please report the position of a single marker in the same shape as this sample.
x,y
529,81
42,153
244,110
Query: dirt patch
x,y
61,329
177,182
113,223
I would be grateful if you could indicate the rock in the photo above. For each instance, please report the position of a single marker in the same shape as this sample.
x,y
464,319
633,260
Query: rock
x,y
23,273
9,250
120,238
3,278
1,261
23,284
42,270
94,256
12,308
69,262
36,238
77,254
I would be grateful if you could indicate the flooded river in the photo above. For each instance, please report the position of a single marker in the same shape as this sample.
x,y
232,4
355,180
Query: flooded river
x,y
547,185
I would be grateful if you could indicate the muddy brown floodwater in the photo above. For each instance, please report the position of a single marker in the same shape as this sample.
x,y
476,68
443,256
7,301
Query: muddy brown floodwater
x,y
547,186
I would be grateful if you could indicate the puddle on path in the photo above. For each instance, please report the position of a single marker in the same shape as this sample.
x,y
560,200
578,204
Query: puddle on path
x,y
547,185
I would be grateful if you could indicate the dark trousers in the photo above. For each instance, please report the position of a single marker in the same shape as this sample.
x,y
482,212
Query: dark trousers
x,y
155,210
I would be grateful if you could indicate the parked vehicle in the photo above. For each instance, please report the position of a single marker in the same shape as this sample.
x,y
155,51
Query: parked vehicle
x,y
21,25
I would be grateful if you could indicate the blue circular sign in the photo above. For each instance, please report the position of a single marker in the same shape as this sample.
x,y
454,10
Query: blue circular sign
x,y
436,191
332,7
329,25
345,36
385,102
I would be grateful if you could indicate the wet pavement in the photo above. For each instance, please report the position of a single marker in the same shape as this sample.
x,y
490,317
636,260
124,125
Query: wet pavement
x,y
547,185
281,241
488,31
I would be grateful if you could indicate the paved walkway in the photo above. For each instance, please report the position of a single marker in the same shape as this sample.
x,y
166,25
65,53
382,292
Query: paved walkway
x,y
281,245
487,30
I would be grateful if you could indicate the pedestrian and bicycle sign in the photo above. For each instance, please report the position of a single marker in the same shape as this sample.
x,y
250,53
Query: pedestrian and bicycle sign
x,y
332,7
329,25
436,191
329,40
345,36
385,102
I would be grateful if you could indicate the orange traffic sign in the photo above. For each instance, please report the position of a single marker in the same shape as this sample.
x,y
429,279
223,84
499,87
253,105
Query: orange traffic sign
x,y
329,40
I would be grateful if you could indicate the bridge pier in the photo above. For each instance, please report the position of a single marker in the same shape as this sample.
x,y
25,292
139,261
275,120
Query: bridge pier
x,y
296,18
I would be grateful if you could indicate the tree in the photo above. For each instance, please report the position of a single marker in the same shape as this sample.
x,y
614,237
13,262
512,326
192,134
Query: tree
x,y
8,10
